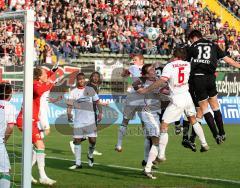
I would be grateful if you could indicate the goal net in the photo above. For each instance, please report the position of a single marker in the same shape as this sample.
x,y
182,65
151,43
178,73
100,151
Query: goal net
x,y
16,67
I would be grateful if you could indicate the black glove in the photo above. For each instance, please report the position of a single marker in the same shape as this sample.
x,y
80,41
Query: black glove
x,y
55,67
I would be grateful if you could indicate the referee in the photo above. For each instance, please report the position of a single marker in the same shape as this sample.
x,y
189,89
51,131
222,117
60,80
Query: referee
x,y
204,55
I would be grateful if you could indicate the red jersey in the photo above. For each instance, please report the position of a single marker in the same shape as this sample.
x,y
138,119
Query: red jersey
x,y
38,89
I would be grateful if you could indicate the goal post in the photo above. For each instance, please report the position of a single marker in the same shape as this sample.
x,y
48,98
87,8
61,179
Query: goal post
x,y
27,18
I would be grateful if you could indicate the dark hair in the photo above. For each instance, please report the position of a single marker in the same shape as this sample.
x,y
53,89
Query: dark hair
x,y
5,91
99,75
80,74
180,52
195,33
145,69
37,72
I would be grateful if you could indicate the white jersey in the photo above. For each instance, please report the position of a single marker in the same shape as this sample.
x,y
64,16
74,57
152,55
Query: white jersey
x,y
7,115
135,72
178,73
44,101
152,101
82,101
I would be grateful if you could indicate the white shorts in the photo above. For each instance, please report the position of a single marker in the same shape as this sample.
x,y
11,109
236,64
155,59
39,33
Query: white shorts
x,y
151,123
4,159
43,119
180,104
85,131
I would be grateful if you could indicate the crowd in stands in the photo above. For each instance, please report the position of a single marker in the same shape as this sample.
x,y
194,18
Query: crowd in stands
x,y
68,28
232,5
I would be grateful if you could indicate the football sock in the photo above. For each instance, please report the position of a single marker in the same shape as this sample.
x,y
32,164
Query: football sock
x,y
41,162
152,156
162,144
219,121
77,150
5,180
34,157
121,133
185,129
147,146
210,121
199,131
91,149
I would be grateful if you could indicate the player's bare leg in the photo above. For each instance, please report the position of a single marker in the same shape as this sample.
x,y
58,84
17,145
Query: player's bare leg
x,y
199,131
40,155
199,117
217,116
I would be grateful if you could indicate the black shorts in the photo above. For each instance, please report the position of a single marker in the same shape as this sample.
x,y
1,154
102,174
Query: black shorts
x,y
192,92
204,86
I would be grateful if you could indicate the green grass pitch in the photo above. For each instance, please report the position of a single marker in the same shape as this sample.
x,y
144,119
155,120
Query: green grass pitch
x,y
219,167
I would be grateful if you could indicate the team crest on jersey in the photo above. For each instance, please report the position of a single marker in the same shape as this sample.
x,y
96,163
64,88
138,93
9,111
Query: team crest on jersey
x,y
84,99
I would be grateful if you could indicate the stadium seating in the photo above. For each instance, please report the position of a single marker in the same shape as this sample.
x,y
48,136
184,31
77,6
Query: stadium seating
x,y
71,28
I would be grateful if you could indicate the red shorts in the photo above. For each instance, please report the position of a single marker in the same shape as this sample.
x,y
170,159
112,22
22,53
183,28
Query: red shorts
x,y
35,131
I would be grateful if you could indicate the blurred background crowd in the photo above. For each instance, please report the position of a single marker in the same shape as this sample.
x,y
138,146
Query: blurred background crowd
x,y
68,28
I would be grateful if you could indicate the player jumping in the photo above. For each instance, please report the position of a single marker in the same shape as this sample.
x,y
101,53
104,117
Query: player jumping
x,y
176,73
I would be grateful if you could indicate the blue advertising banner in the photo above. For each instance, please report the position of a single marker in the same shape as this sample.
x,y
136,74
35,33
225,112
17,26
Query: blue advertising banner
x,y
230,107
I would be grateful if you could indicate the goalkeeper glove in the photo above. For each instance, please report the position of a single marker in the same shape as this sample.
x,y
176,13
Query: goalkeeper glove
x,y
55,67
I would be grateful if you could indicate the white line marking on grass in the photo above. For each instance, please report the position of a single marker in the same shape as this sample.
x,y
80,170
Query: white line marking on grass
x,y
157,172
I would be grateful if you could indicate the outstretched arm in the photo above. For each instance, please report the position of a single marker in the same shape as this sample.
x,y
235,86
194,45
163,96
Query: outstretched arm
x,y
231,62
159,83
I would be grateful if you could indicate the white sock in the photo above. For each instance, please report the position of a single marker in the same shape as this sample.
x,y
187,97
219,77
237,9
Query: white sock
x,y
152,156
34,157
146,148
121,133
41,163
5,180
199,131
91,149
163,141
78,150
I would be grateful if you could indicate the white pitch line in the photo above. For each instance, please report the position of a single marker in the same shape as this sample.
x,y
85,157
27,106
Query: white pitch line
x,y
158,172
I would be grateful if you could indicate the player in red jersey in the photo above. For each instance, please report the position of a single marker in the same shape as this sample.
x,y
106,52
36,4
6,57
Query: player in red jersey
x,y
41,84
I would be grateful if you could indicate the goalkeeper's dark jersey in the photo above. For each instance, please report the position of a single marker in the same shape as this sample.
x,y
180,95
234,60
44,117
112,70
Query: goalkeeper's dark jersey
x,y
204,55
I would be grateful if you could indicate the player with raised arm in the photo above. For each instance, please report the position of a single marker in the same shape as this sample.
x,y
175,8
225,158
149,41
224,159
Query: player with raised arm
x,y
204,55
81,100
41,84
176,73
43,124
7,121
150,115
133,100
